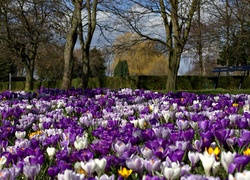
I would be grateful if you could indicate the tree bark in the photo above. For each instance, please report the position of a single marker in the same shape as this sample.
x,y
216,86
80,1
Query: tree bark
x,y
68,59
85,45
177,35
69,46
85,69
29,79
174,59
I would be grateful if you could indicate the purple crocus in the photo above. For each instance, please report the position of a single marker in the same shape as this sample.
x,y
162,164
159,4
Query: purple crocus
x,y
119,147
5,174
239,162
153,164
204,125
53,171
31,171
84,155
135,163
181,124
193,157
176,155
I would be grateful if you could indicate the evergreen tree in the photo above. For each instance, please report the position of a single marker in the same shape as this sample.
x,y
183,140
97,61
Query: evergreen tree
x,y
121,69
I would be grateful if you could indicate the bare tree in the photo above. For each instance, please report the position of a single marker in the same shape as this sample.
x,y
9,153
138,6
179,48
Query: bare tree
x,y
24,25
83,24
230,22
164,21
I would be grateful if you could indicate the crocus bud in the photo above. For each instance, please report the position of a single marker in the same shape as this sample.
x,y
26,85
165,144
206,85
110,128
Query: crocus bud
x,y
51,152
20,134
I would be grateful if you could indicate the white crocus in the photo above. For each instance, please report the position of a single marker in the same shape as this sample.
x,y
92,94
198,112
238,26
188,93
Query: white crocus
x,y
51,151
81,143
20,134
207,161
77,166
106,177
216,167
89,167
141,123
3,160
173,172
167,115
69,174
226,159
135,122
100,165
245,175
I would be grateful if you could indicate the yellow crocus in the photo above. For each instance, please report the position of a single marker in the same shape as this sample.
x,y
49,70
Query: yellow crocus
x,y
247,152
216,151
125,172
31,135
235,104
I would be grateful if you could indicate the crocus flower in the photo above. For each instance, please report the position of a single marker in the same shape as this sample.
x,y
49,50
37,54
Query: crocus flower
x,y
53,171
239,162
146,152
135,163
207,161
124,172
51,151
119,147
149,177
142,123
182,145
176,155
167,115
215,151
69,174
247,152
181,124
3,160
106,177
100,165
185,170
81,143
193,157
20,134
89,166
197,145
31,171
172,172
204,125
227,158
245,175
216,167
152,164
5,174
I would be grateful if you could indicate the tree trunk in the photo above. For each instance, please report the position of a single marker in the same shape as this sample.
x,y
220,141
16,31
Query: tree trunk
x,y
227,34
174,58
29,64
69,47
68,60
29,80
85,43
85,69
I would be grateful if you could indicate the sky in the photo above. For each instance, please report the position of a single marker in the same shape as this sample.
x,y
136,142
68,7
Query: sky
x,y
152,25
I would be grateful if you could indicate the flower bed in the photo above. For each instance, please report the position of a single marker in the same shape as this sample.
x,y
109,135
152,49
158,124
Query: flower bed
x,y
125,134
